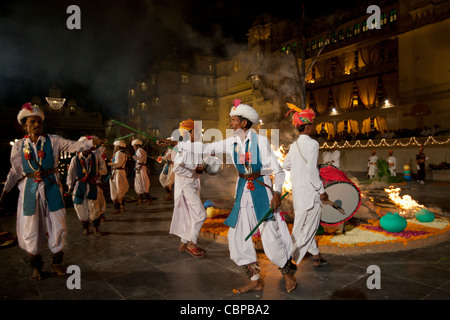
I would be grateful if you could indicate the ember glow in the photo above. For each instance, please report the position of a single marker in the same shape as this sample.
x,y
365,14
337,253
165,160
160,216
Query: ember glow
x,y
281,154
407,205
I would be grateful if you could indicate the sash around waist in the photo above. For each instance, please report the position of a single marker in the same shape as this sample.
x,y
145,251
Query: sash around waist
x,y
41,174
248,176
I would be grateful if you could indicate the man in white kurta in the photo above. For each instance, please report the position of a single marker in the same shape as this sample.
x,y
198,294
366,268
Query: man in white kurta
x,y
336,158
141,173
372,165
167,176
86,168
255,160
118,182
392,163
189,214
41,216
307,188
100,204
326,156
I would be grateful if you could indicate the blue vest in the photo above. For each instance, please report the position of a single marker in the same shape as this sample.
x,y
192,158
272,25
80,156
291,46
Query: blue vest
x,y
91,180
260,199
52,192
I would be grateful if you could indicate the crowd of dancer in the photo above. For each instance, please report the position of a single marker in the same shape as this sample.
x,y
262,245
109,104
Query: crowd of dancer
x,y
41,214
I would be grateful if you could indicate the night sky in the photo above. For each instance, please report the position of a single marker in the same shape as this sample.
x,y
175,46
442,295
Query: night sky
x,y
117,41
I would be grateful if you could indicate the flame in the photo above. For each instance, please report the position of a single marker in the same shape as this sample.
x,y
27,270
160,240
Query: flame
x,y
409,205
281,154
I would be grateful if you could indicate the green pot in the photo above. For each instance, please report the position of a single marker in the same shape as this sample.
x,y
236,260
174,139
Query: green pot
x,y
392,222
424,215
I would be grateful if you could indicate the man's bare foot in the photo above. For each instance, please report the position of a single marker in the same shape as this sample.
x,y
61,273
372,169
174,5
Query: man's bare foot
x,y
253,285
56,268
290,281
37,275
182,247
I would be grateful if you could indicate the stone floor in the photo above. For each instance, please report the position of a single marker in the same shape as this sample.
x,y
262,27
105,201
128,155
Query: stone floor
x,y
137,259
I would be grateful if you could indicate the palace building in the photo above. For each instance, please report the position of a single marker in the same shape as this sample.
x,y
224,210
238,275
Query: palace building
x,y
360,76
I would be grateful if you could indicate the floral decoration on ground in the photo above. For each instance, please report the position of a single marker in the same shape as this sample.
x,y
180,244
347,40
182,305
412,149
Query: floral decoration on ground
x,y
356,233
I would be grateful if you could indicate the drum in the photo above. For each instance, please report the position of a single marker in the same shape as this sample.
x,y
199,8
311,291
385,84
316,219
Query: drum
x,y
344,195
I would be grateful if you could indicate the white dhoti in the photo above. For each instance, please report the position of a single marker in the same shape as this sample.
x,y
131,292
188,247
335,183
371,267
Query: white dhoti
x,y
44,226
100,203
275,236
305,227
118,184
141,180
189,214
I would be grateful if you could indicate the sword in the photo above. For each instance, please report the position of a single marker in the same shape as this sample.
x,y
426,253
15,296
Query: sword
x,y
264,218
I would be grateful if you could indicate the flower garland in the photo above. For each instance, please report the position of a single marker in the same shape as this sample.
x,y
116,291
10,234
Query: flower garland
x,y
28,155
83,167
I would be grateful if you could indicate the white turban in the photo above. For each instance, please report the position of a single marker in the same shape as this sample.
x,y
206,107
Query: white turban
x,y
244,111
84,138
120,143
136,141
29,111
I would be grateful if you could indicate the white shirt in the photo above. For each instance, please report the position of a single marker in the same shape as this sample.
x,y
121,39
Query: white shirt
x,y
336,158
301,161
270,164
58,144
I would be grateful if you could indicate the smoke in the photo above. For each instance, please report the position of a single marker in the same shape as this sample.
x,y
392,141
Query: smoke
x,y
94,65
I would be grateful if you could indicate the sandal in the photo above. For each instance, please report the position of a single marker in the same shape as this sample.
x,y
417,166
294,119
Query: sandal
x,y
195,253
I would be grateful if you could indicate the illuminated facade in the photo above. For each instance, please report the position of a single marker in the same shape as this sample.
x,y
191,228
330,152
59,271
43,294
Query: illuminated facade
x,y
174,89
361,79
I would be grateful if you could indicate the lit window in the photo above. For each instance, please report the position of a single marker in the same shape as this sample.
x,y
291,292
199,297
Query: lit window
x,y
313,45
333,37
383,19
364,26
348,32
393,15
131,93
356,29
341,35
143,86
320,42
184,78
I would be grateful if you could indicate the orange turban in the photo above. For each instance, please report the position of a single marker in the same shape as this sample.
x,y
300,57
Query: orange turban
x,y
300,116
187,125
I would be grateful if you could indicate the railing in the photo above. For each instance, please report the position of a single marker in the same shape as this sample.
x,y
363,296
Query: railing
x,y
383,142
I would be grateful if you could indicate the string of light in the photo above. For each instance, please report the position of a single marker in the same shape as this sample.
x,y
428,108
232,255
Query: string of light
x,y
383,143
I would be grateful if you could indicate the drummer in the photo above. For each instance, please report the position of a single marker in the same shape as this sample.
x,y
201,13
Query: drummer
x,y
307,187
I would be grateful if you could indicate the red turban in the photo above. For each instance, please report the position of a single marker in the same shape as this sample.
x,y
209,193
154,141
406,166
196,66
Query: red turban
x,y
187,124
300,116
